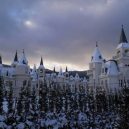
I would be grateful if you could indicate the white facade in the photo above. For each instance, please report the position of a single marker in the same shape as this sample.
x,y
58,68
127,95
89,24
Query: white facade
x,y
110,74
19,74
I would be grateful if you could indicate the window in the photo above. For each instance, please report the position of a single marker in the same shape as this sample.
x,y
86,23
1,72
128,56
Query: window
x,y
106,69
100,57
103,70
126,51
41,70
92,58
24,82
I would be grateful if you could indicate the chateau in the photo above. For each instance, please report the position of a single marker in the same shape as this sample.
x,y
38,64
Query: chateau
x,y
111,74
19,74
107,74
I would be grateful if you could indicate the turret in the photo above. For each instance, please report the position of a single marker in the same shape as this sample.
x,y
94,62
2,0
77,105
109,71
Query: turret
x,y
41,69
96,65
0,60
97,56
15,61
0,65
23,60
34,73
122,53
123,38
22,67
66,73
123,46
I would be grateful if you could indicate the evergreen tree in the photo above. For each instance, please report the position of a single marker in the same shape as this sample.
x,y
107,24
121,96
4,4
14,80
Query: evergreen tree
x,y
20,103
1,93
10,97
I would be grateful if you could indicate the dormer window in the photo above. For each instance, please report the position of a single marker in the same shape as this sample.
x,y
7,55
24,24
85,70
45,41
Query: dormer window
x,y
100,57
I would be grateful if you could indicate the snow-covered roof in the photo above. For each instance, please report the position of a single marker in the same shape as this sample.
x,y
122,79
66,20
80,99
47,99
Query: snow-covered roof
x,y
77,76
34,73
7,71
60,74
23,59
97,56
123,45
111,68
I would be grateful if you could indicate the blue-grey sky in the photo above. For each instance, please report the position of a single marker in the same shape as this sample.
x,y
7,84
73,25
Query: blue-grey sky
x,y
64,32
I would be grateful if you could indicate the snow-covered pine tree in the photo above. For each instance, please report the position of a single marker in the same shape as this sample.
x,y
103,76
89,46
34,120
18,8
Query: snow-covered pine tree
x,y
10,98
20,103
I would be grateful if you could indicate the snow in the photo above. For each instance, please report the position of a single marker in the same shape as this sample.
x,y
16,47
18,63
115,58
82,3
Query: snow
x,y
5,106
112,68
2,118
97,56
23,59
123,45
20,126
3,125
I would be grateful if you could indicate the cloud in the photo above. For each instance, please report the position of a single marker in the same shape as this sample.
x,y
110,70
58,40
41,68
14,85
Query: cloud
x,y
64,32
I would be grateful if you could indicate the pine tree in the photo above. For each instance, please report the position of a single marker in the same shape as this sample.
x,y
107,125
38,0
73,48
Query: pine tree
x,y
21,99
10,98
1,93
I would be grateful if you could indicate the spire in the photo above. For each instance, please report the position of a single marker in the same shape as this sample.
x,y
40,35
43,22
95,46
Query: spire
x,y
41,62
96,44
0,59
123,38
54,70
66,70
16,57
60,72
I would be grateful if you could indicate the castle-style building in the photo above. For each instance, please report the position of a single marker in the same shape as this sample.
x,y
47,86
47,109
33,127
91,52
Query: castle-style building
x,y
19,75
109,75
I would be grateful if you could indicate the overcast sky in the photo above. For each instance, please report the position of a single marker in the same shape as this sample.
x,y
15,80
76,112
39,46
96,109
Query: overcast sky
x,y
63,32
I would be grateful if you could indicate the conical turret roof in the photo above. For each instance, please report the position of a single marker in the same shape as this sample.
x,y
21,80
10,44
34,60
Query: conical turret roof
x,y
97,56
123,38
23,59
16,57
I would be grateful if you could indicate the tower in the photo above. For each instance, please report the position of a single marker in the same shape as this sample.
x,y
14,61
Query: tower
x,y
122,54
95,66
0,65
15,61
21,75
66,73
0,60
41,70
41,75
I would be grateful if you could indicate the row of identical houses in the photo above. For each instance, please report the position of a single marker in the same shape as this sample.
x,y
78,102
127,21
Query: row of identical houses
x,y
109,75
